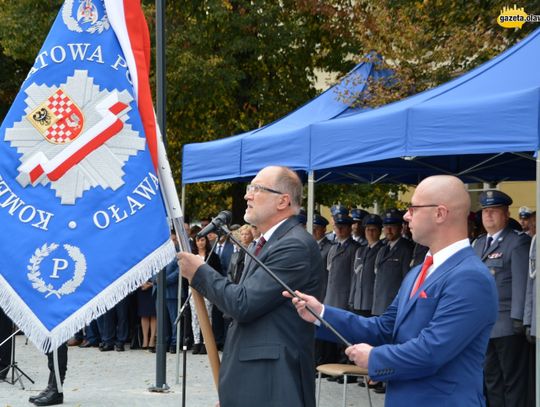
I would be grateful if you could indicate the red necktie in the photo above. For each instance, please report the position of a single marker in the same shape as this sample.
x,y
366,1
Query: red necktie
x,y
422,276
260,244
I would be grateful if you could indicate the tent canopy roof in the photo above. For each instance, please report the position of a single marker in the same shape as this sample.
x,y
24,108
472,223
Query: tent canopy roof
x,y
490,110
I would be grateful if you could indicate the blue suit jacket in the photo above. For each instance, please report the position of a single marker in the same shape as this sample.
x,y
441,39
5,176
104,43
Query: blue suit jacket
x,y
225,257
430,350
171,281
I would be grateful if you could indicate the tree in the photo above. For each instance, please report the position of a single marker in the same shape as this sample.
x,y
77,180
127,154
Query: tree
x,y
426,43
237,65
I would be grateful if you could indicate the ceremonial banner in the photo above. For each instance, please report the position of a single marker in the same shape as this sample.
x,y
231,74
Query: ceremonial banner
x,y
83,222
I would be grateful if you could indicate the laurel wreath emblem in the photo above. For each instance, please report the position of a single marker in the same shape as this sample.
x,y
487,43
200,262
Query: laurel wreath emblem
x,y
69,286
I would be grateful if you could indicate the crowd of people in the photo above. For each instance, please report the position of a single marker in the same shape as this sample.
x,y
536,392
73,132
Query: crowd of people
x,y
365,261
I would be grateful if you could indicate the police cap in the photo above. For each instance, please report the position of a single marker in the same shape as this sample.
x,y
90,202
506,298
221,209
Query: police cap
x,y
525,212
372,219
358,214
341,219
392,217
493,198
319,220
339,209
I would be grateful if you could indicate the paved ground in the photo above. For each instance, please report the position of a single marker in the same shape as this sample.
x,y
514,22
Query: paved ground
x,y
117,379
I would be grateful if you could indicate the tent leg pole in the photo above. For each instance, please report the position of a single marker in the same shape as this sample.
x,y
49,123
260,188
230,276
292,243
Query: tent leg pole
x,y
183,204
310,201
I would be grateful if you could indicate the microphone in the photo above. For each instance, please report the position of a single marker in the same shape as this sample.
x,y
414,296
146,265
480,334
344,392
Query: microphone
x,y
223,218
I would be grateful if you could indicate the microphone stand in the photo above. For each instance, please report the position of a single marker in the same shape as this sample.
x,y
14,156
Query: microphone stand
x,y
182,333
325,323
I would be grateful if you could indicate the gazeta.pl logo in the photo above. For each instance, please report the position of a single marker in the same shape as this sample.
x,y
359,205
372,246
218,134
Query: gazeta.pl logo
x,y
515,17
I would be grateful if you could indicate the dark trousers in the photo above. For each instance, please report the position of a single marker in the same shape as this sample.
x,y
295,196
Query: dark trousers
x,y
172,311
114,327
218,326
6,329
92,333
62,362
505,371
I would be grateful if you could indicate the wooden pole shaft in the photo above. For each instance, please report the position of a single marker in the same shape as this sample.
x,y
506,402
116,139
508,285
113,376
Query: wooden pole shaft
x,y
208,334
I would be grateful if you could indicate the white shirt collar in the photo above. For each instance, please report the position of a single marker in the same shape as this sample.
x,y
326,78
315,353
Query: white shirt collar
x,y
495,236
393,243
271,231
442,255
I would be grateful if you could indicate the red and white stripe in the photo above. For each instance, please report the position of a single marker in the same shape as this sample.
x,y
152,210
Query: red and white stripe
x,y
128,22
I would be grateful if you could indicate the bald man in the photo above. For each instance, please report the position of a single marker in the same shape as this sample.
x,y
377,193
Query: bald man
x,y
430,343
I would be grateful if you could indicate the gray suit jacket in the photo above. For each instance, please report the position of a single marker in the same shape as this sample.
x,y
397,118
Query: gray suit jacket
x,y
324,247
340,266
391,266
363,278
529,317
268,355
508,261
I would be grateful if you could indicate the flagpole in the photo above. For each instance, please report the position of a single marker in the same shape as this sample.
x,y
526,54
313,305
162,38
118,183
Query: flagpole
x,y
161,360
174,210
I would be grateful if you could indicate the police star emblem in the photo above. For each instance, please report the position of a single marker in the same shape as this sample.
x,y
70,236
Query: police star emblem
x,y
74,137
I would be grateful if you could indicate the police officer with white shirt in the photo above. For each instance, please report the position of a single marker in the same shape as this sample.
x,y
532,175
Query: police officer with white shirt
x,y
506,253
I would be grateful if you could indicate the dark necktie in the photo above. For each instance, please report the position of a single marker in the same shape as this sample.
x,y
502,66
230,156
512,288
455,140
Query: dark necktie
x,y
422,276
260,244
488,244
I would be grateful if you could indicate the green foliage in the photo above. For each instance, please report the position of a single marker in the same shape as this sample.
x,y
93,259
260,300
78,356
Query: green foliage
x,y
362,195
237,65
427,43
25,23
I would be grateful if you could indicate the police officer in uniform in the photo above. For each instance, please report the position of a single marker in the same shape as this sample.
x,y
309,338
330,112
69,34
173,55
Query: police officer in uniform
x,y
392,262
506,253
529,320
363,278
525,219
340,262
319,234
358,232
340,266
325,352
52,395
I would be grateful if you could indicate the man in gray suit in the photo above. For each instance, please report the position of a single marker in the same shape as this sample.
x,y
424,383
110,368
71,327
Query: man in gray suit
x,y
268,354
506,254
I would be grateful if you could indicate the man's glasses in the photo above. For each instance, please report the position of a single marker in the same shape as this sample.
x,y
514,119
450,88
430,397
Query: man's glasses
x,y
412,208
254,188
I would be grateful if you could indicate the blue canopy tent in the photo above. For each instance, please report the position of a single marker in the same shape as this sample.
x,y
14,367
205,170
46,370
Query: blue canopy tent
x,y
481,126
284,141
